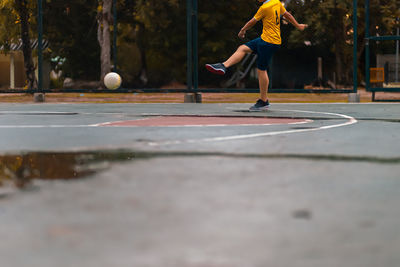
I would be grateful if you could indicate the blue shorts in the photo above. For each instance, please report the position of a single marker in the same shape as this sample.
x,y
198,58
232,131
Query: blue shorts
x,y
264,51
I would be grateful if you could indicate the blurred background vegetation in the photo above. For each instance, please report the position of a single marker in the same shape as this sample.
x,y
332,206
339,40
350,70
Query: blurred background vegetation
x,y
152,38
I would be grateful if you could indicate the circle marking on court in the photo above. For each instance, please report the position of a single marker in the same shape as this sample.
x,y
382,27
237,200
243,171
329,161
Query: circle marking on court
x,y
350,121
202,121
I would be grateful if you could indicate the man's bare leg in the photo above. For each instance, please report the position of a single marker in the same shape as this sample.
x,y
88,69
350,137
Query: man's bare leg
x,y
237,56
263,82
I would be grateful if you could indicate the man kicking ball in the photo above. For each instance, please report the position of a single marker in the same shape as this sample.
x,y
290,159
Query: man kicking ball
x,y
265,46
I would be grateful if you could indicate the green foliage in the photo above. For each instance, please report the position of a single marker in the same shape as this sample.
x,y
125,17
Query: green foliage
x,y
162,37
159,29
71,29
331,27
152,33
10,29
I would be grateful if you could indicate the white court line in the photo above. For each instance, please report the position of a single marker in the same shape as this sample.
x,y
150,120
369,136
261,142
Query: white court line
x,y
350,121
44,126
105,124
108,123
194,125
22,112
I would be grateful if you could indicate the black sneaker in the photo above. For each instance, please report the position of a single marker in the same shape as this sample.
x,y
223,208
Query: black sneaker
x,y
260,106
217,68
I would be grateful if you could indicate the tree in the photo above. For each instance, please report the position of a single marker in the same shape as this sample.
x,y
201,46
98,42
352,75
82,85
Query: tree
x,y
22,16
23,11
104,19
160,34
73,36
331,28
158,27
9,30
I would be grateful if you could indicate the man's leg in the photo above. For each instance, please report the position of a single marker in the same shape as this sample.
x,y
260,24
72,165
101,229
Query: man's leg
x,y
220,68
263,82
237,56
262,104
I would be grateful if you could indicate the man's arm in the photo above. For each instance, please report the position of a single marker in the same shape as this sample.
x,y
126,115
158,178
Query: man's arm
x,y
292,20
246,27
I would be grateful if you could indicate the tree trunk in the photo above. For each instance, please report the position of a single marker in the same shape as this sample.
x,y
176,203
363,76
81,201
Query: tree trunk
x,y
26,43
142,48
103,36
339,43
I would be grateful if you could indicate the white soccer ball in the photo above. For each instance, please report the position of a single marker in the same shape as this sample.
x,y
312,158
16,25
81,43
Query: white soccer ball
x,y
112,80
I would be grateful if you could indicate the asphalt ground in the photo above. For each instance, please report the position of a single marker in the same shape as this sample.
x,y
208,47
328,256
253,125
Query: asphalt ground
x,y
195,185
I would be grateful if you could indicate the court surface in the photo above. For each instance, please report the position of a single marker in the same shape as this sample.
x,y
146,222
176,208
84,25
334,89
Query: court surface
x,y
200,185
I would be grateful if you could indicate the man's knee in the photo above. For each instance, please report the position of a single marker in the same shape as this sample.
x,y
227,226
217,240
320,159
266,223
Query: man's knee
x,y
262,71
245,49
262,74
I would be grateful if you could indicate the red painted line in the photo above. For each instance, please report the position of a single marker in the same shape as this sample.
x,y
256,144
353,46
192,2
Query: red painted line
x,y
203,121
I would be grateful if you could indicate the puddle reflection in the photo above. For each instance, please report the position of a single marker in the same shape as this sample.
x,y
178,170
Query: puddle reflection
x,y
20,170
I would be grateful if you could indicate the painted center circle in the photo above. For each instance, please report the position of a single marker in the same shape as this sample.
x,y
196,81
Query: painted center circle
x,y
160,121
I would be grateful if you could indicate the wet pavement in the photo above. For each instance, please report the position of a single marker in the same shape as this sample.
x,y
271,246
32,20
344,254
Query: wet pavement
x,y
83,186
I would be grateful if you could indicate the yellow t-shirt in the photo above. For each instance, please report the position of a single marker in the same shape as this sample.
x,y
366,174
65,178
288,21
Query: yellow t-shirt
x,y
270,14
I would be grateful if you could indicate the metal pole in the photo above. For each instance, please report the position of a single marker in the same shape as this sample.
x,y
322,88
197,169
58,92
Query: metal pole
x,y
355,30
189,37
367,51
115,33
397,54
195,46
40,46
